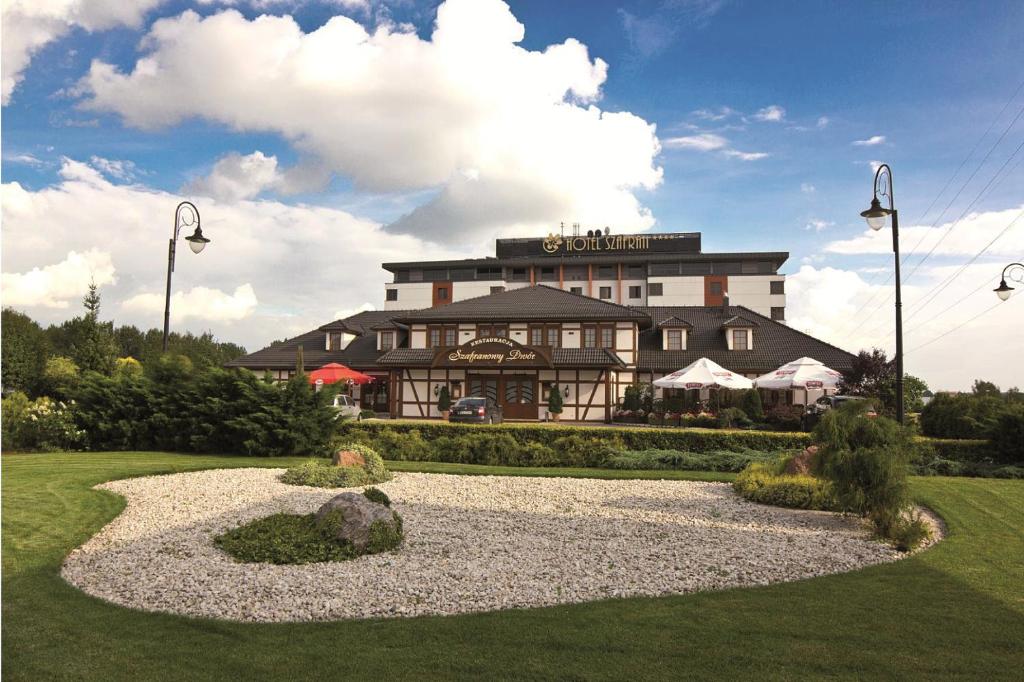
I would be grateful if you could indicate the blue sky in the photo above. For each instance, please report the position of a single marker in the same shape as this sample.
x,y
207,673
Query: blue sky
x,y
757,106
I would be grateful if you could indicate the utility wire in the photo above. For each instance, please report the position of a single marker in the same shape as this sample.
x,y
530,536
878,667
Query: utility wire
x,y
948,205
950,331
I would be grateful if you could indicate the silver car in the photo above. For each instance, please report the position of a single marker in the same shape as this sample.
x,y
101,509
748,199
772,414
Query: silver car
x,y
346,407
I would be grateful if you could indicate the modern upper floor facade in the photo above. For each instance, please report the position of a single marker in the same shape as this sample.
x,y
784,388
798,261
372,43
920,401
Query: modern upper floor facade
x,y
665,269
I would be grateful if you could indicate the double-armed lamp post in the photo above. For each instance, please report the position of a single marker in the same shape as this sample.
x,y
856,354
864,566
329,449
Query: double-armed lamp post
x,y
196,241
876,215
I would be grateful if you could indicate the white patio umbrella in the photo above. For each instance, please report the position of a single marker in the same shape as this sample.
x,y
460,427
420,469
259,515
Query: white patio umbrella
x,y
803,373
704,374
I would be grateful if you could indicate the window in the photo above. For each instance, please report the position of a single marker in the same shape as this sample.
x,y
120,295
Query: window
x,y
662,269
635,292
675,339
545,335
576,290
778,287
391,295
442,293
606,293
635,272
654,289
435,275
547,274
438,335
606,272
748,267
485,330
334,341
696,268
739,339
387,340
554,336
518,275
497,290
715,288
778,313
598,336
488,273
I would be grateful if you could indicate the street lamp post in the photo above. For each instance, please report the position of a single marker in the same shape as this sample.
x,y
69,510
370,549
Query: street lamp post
x,y
876,215
196,241
1004,290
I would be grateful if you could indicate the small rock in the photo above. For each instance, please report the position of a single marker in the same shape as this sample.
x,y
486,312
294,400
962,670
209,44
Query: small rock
x,y
804,462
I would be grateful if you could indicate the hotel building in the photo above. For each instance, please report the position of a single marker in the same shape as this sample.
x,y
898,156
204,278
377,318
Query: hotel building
x,y
591,318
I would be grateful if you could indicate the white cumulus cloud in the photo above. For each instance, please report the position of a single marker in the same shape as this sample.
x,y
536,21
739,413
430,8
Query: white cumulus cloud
x,y
771,114
199,303
28,25
58,285
467,112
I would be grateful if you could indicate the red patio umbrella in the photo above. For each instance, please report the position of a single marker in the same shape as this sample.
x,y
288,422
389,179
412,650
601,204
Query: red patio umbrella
x,y
333,372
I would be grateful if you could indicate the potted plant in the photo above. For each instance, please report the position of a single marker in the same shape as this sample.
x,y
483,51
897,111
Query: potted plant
x,y
555,403
444,402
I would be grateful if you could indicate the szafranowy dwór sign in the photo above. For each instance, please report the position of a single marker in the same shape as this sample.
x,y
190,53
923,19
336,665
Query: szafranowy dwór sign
x,y
492,351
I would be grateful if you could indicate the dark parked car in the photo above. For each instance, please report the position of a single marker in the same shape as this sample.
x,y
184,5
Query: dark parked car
x,y
475,411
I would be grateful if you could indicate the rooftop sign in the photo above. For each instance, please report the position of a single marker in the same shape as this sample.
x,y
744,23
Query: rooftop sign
x,y
599,243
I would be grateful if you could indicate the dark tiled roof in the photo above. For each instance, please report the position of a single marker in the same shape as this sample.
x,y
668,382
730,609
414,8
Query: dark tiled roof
x,y
360,323
389,324
674,322
537,302
361,353
739,321
585,357
421,357
774,344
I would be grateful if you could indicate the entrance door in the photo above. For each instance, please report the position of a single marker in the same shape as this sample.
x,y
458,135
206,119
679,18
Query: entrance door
x,y
519,397
481,386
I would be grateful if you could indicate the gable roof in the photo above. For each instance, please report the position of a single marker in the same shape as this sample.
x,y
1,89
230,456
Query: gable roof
x,y
535,302
361,322
774,344
739,321
674,322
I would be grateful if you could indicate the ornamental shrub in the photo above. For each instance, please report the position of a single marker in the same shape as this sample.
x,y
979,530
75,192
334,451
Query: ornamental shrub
x,y
321,474
962,416
43,424
750,403
687,461
732,417
444,399
785,417
555,400
1008,435
867,461
765,483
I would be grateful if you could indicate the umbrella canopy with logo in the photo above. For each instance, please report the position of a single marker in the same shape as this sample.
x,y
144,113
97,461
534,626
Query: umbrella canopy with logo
x,y
704,374
333,372
805,373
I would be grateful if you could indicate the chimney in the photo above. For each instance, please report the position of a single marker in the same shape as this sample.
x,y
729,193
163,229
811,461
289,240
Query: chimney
x,y
725,303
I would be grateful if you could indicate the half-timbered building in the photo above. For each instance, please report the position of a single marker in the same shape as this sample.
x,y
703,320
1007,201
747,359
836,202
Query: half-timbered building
x,y
514,345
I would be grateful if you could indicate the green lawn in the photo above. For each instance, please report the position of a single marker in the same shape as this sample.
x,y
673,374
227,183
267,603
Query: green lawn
x,y
956,610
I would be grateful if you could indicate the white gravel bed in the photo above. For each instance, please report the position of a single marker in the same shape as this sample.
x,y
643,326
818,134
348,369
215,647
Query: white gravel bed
x,y
473,543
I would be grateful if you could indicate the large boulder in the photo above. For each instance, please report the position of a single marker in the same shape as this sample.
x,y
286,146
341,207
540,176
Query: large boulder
x,y
352,517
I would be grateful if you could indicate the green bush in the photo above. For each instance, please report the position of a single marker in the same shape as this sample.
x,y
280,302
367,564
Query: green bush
x,y
867,461
301,539
785,417
377,495
750,403
765,483
631,438
962,416
42,424
733,417
1008,435
687,461
173,407
321,474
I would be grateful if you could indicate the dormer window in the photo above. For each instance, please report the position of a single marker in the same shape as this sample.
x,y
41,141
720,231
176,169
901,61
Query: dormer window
x,y
673,339
673,333
387,340
740,339
338,340
739,333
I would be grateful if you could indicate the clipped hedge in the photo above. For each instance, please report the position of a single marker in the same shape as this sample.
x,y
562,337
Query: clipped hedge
x,y
632,438
688,461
